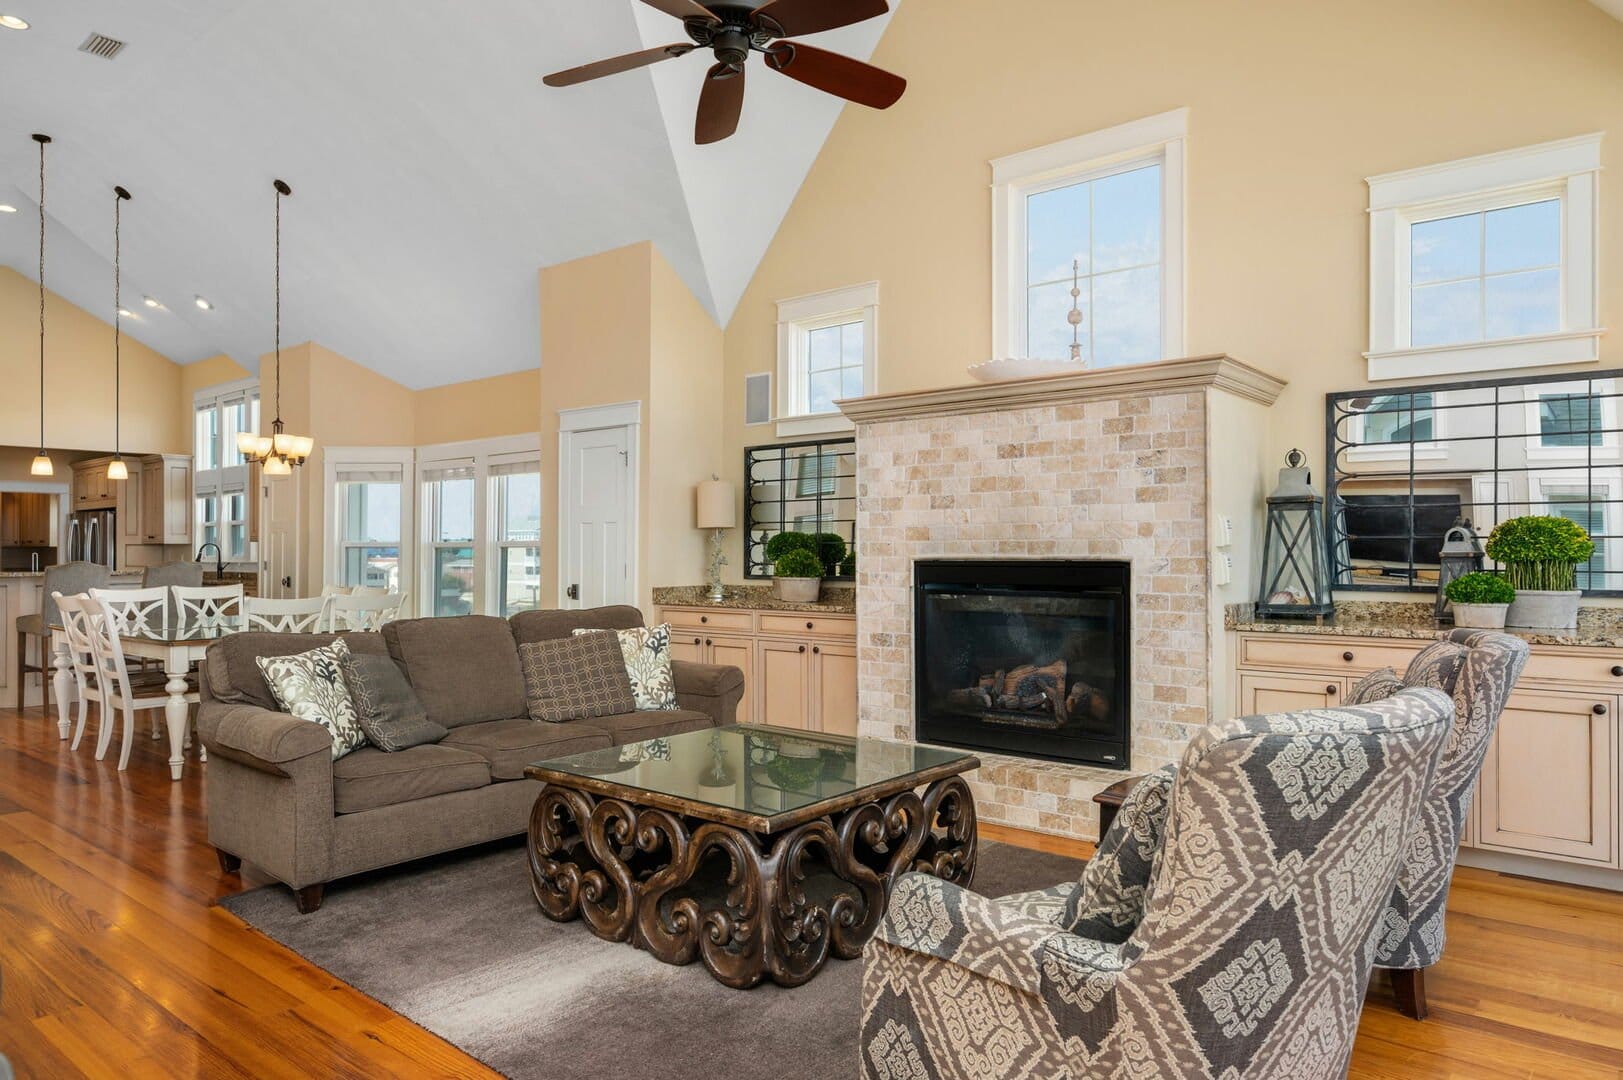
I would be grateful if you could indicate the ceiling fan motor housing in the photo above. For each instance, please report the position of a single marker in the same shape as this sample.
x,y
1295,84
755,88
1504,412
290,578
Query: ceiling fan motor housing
x,y
734,35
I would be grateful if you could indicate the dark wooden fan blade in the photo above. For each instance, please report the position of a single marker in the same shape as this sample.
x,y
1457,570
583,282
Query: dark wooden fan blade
x,y
721,102
792,18
838,75
682,9
617,64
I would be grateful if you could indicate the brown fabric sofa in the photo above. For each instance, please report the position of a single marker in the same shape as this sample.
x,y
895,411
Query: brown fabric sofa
x,y
276,798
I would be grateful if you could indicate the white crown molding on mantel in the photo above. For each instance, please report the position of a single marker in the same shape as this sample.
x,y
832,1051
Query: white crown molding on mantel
x,y
1217,372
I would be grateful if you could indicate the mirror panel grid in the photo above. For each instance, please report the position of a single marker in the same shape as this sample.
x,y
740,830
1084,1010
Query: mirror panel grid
x,y
1407,461
799,487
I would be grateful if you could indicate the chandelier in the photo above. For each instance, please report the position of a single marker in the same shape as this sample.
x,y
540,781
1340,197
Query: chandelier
x,y
277,452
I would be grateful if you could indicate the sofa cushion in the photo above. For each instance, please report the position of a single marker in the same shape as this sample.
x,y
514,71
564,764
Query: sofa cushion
x,y
657,724
509,745
370,778
386,706
311,686
545,625
647,653
575,678
465,669
233,674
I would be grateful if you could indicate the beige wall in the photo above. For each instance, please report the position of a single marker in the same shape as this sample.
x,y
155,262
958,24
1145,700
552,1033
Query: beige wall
x,y
1291,105
79,379
481,409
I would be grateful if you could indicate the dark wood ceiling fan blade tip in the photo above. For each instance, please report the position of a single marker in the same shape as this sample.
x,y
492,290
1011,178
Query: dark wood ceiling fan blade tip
x,y
683,9
796,17
614,65
835,74
721,103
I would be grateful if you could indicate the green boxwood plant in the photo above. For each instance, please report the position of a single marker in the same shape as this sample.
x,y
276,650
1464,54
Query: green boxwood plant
x,y
797,563
1480,588
1540,552
785,542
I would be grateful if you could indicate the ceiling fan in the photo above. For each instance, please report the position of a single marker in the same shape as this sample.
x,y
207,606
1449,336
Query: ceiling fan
x,y
732,31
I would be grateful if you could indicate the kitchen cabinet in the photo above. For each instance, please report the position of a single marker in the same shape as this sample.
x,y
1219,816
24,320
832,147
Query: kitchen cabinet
x,y
166,499
1288,693
800,668
91,488
27,519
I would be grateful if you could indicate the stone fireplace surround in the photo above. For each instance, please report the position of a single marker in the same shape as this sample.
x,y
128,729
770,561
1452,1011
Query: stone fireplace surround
x,y
1109,464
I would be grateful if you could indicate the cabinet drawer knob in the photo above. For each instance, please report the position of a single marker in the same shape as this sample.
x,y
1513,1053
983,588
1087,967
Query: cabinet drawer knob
x,y
704,618
1347,656
1599,710
803,648
808,624
1332,689
1617,670
707,641
698,641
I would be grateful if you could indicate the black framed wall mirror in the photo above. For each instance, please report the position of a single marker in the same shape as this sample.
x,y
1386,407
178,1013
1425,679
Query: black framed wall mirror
x,y
808,487
1407,461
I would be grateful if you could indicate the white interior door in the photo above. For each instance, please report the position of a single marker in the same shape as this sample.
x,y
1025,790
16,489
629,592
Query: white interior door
x,y
595,548
280,531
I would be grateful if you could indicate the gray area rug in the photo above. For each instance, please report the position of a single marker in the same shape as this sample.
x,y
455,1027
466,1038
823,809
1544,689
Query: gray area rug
x,y
458,945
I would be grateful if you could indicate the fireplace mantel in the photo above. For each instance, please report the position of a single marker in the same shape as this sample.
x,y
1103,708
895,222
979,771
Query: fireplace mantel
x,y
1217,371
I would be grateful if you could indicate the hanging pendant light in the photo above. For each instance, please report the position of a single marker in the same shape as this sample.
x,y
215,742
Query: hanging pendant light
x,y
42,461
116,469
277,452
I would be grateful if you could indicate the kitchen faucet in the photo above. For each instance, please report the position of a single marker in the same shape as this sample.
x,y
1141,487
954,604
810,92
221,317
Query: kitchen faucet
x,y
219,557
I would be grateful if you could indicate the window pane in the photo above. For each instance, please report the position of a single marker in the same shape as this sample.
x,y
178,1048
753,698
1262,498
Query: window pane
x,y
1592,516
823,348
1056,233
1127,317
236,541
1520,237
851,345
816,474
208,508
371,512
851,382
520,580
1127,220
1048,333
1525,303
1445,249
1389,419
378,567
822,391
206,439
1443,314
519,496
236,506
455,510
1569,420
236,419
453,580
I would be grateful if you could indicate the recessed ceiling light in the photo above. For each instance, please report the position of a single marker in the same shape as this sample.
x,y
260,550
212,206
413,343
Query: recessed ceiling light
x,y
202,303
126,313
149,302
7,208
12,22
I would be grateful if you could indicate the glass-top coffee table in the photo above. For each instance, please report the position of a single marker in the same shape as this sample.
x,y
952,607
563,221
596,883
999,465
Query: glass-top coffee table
x,y
757,850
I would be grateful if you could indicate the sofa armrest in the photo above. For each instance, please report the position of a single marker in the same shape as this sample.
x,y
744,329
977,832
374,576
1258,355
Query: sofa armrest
x,y
268,741
715,689
992,940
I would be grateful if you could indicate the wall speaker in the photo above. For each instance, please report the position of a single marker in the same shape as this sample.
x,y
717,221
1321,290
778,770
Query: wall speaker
x,y
758,398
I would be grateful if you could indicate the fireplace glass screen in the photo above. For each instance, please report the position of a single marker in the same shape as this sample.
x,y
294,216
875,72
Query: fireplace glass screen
x,y
1026,658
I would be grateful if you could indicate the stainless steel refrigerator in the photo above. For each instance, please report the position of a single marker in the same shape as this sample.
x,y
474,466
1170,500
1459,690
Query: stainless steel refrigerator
x,y
93,537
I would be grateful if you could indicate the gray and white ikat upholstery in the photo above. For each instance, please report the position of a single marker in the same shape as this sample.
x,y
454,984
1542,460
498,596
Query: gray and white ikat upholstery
x,y
1284,836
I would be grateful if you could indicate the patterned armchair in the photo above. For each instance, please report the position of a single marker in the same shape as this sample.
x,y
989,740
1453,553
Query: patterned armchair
x,y
1284,836
1478,668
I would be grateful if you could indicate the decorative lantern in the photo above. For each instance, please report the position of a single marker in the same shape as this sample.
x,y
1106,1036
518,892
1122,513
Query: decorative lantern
x,y
1461,555
1295,563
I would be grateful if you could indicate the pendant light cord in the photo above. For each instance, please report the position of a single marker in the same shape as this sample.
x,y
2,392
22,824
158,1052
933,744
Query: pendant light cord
x,y
118,313
42,141
278,305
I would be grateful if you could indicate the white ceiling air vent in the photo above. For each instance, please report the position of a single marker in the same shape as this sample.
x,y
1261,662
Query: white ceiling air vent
x,y
101,45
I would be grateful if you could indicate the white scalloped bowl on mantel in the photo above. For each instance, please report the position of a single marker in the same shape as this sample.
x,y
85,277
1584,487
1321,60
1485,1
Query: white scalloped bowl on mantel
x,y
1021,367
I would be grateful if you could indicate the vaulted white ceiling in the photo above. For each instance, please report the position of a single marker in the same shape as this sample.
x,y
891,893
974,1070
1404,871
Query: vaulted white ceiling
x,y
432,173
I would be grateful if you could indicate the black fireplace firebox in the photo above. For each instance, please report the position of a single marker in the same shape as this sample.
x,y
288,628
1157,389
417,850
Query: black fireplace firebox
x,y
1024,657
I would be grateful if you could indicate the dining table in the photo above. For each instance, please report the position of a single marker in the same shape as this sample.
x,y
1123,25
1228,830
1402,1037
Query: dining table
x,y
176,645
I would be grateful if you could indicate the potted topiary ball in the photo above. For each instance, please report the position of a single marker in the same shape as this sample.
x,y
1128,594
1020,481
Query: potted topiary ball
x,y
797,576
1480,600
1541,557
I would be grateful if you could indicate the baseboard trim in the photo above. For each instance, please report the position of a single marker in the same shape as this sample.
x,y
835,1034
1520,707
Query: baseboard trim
x,y
1594,877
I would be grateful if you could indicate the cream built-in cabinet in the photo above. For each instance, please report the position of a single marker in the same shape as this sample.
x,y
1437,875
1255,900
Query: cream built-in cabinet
x,y
1550,783
154,505
800,668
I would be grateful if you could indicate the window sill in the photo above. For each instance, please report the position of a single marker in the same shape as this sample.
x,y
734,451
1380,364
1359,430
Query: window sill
x,y
819,424
1539,350
1429,451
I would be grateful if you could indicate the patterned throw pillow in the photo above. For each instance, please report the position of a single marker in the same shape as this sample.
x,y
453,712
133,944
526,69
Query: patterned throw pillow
x,y
575,678
311,686
1438,666
647,654
1376,686
1109,903
385,704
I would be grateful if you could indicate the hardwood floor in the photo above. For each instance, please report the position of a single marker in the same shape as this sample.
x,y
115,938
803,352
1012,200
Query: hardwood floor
x,y
114,961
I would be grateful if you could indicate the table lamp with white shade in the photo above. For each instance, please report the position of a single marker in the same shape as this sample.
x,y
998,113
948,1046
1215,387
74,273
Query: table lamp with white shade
x,y
716,509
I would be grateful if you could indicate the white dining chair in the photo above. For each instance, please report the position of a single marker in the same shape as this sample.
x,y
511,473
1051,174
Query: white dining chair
x,y
349,613
207,602
301,616
334,590
77,614
369,590
118,690
135,610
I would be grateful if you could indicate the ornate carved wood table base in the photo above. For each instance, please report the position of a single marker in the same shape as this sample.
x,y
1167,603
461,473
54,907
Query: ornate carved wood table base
x,y
752,896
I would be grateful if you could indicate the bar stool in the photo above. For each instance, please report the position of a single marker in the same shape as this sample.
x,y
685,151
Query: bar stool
x,y
70,579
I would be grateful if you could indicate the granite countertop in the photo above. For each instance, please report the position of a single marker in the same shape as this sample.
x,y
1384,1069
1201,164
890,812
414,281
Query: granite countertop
x,y
1598,627
835,601
41,573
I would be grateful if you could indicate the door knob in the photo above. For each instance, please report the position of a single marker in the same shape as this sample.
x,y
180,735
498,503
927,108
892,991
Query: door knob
x,y
816,650
573,592
698,641
707,641
803,648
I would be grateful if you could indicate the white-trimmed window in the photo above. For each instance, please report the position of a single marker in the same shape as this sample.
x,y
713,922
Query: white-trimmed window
x,y
1572,422
828,345
369,515
1485,263
219,471
1102,214
1595,506
480,526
